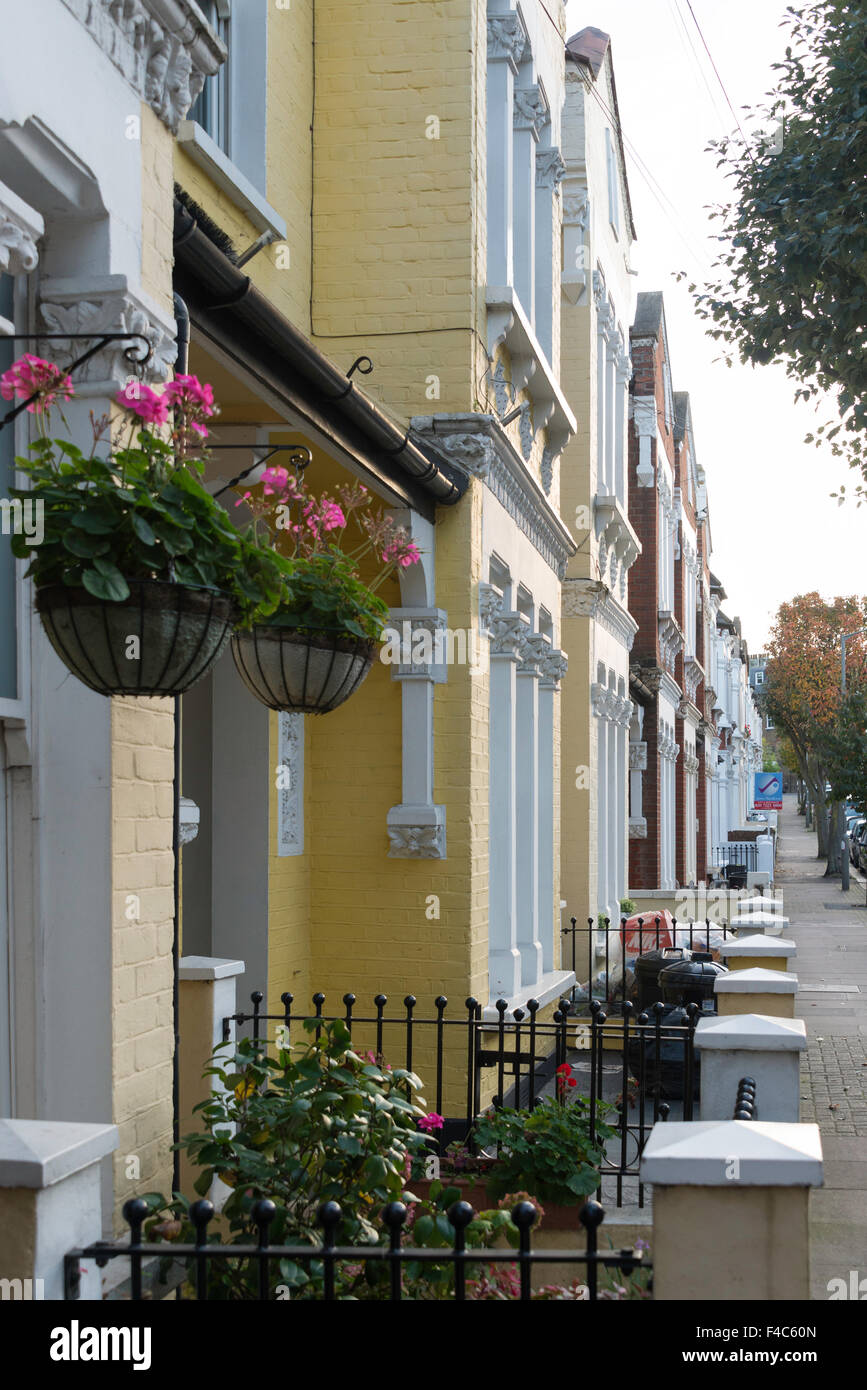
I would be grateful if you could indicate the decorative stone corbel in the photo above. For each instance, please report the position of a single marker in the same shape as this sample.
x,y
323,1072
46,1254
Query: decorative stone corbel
x,y
164,48
21,227
507,39
106,306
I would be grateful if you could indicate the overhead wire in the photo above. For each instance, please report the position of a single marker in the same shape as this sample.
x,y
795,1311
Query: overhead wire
x,y
719,80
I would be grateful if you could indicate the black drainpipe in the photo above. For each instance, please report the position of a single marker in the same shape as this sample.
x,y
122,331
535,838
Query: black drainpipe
x,y
182,319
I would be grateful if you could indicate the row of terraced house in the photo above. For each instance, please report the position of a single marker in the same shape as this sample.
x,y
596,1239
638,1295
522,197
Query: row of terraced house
x,y
402,235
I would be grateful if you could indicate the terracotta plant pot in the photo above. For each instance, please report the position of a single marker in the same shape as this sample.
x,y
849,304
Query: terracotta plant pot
x,y
160,640
305,673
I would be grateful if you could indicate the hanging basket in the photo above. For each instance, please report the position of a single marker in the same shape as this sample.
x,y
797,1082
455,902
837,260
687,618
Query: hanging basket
x,y
306,673
180,632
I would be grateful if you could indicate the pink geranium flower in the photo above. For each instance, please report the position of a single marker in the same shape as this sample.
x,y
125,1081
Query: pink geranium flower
x,y
33,376
428,1123
187,391
144,402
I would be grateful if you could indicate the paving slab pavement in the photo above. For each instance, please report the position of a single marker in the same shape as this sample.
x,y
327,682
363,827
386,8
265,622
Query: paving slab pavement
x,y
830,928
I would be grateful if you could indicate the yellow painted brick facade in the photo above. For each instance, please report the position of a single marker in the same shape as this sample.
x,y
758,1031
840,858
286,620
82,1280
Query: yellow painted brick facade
x,y
142,733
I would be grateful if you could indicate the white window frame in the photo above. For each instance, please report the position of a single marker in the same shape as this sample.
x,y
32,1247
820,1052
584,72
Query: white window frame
x,y
218,88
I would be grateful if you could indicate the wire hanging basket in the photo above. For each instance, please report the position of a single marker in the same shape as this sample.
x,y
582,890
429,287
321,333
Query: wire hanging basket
x,y
160,640
301,672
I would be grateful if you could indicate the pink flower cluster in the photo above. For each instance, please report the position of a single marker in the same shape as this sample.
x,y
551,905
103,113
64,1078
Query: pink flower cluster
x,y
144,402
428,1123
33,376
188,397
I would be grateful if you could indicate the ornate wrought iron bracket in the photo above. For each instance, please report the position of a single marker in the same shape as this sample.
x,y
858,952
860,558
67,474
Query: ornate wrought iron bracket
x,y
301,459
133,355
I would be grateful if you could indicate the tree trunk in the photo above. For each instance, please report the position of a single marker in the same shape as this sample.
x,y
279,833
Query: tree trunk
x,y
835,840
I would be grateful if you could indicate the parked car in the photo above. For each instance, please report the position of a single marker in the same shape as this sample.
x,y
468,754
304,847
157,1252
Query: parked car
x,y
851,831
860,846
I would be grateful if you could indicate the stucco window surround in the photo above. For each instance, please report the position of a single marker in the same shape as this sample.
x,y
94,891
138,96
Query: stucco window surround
x,y
212,108
613,374
525,672
524,172
225,132
21,230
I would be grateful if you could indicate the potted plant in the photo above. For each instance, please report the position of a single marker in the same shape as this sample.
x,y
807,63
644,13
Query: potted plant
x,y
313,652
140,575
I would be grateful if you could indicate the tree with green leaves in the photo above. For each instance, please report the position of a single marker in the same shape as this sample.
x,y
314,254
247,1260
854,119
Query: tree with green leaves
x,y
791,281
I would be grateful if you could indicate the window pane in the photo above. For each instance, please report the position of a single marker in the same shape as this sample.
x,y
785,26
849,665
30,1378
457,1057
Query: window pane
x,y
8,620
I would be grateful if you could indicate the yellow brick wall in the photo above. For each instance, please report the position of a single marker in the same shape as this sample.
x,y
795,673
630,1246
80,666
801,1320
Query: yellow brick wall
x,y
395,217
579,830
142,732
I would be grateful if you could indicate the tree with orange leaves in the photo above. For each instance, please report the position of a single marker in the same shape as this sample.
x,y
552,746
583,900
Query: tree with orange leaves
x,y
803,692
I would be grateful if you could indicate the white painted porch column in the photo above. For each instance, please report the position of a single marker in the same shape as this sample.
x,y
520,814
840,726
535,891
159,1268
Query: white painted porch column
x,y
602,809
508,630
622,730
527,813
553,667
416,827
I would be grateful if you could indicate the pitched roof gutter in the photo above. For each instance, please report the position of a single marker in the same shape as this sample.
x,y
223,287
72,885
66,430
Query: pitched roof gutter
x,y
226,306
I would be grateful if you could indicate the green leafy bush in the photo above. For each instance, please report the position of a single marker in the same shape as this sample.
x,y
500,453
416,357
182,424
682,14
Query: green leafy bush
x,y
139,514
548,1151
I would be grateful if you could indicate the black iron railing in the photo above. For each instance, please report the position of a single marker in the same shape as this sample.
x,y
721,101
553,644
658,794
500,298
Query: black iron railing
x,y
455,1053
262,1259
600,950
743,853
657,1068
630,1067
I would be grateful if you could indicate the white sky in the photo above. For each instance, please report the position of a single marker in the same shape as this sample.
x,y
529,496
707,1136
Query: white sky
x,y
776,531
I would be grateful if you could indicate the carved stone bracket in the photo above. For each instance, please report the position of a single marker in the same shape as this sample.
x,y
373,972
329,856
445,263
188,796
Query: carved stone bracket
x,y
108,306
554,666
550,168
164,48
20,229
582,598
638,757
416,832
531,110
637,828
507,39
